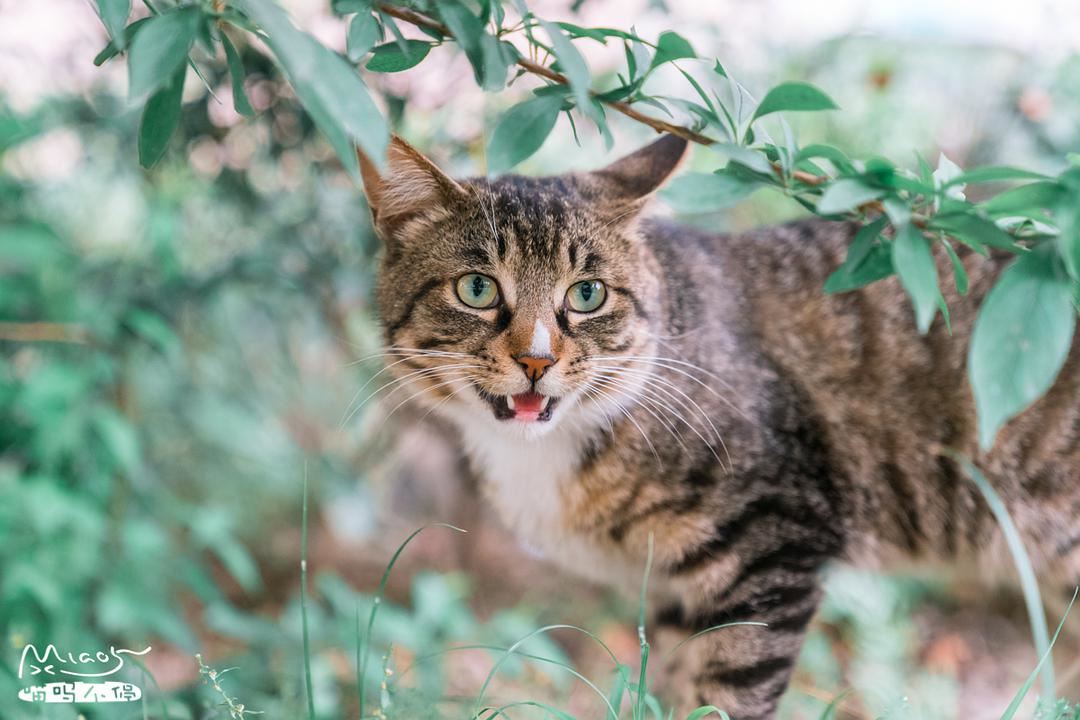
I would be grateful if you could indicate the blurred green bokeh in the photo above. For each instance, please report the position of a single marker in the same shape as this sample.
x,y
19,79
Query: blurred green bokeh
x,y
179,347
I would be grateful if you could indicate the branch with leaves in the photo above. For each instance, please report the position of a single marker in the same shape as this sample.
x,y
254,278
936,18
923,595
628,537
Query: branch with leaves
x,y
1026,323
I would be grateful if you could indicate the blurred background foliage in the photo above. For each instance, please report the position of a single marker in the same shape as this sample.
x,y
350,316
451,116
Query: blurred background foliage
x,y
180,347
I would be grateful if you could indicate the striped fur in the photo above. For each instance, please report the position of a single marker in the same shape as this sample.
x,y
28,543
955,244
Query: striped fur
x,y
718,402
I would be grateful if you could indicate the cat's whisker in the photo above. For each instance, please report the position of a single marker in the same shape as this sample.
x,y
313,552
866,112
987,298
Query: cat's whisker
x,y
654,390
654,362
420,392
381,371
647,404
670,361
597,399
433,372
407,352
587,389
407,376
618,217
662,384
644,435
445,400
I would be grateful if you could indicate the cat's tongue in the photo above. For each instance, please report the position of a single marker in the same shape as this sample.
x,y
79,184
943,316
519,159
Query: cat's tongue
x,y
529,405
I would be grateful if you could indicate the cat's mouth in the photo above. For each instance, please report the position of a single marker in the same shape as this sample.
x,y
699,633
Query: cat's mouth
x,y
526,406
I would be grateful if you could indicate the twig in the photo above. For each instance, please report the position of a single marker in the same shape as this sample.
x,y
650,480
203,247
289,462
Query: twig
x,y
420,20
44,332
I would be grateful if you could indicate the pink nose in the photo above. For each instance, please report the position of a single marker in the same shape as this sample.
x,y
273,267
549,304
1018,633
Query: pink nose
x,y
534,367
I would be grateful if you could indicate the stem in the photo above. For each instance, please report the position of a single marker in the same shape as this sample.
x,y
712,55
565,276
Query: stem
x,y
421,20
530,66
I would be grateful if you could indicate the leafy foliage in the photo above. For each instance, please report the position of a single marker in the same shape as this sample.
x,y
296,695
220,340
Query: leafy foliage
x,y
914,214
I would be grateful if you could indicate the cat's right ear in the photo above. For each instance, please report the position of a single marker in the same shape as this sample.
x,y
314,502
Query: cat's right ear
x,y
409,184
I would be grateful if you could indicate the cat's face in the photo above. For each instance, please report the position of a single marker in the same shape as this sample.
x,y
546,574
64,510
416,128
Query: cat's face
x,y
508,302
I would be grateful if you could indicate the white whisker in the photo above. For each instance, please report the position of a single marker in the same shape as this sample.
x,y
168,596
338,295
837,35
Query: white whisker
x,y
651,386
641,402
421,392
399,382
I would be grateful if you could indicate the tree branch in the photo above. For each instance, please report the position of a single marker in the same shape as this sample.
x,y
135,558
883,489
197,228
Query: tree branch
x,y
44,332
420,20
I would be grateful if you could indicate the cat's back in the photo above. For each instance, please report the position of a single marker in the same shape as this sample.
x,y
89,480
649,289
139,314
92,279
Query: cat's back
x,y
889,398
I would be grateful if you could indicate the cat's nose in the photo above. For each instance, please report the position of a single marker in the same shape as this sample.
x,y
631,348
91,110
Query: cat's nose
x,y
535,367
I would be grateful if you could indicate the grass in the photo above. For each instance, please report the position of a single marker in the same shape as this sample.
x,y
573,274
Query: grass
x,y
1028,582
624,688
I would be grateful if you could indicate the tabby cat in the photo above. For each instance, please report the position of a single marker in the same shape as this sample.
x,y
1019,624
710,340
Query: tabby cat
x,y
616,378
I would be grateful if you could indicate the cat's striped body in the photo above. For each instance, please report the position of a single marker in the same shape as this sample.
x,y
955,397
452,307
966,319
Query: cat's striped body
x,y
718,402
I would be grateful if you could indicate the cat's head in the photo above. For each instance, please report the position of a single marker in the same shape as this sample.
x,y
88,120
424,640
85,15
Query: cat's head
x,y
506,302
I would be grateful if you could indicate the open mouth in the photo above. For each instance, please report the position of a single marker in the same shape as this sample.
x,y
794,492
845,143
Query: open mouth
x,y
527,406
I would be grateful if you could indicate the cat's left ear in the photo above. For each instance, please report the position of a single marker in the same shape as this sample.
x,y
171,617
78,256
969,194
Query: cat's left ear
x,y
638,175
407,186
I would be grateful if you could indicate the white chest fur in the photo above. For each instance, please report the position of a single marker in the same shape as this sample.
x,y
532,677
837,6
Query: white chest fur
x,y
524,478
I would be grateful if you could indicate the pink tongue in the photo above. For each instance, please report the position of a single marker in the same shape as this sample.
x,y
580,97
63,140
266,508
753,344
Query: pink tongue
x,y
528,402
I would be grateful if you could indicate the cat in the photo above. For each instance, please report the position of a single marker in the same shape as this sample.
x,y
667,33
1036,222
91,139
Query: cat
x,y
620,382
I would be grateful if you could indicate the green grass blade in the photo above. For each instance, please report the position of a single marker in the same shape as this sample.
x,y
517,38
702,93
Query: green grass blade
x,y
308,687
708,630
379,594
513,649
1028,582
830,710
500,711
1023,691
639,700
707,710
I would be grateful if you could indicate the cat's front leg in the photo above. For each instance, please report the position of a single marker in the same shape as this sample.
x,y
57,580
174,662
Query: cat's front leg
x,y
741,669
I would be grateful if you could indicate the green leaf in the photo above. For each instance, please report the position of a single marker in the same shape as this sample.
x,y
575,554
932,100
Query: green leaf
x,y
600,34
344,7
960,274
915,267
573,66
329,88
499,55
846,194
112,50
864,241
119,438
705,711
898,210
15,129
521,131
160,46
753,159
693,193
671,46
793,96
236,77
364,32
834,155
390,57
876,265
114,15
468,31
1068,241
966,226
995,174
160,118
1021,339
1033,196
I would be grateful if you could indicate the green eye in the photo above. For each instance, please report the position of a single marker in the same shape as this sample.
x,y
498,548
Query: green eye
x,y
586,296
477,291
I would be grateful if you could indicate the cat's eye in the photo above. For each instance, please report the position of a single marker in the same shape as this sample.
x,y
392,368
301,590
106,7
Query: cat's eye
x,y
477,291
586,296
